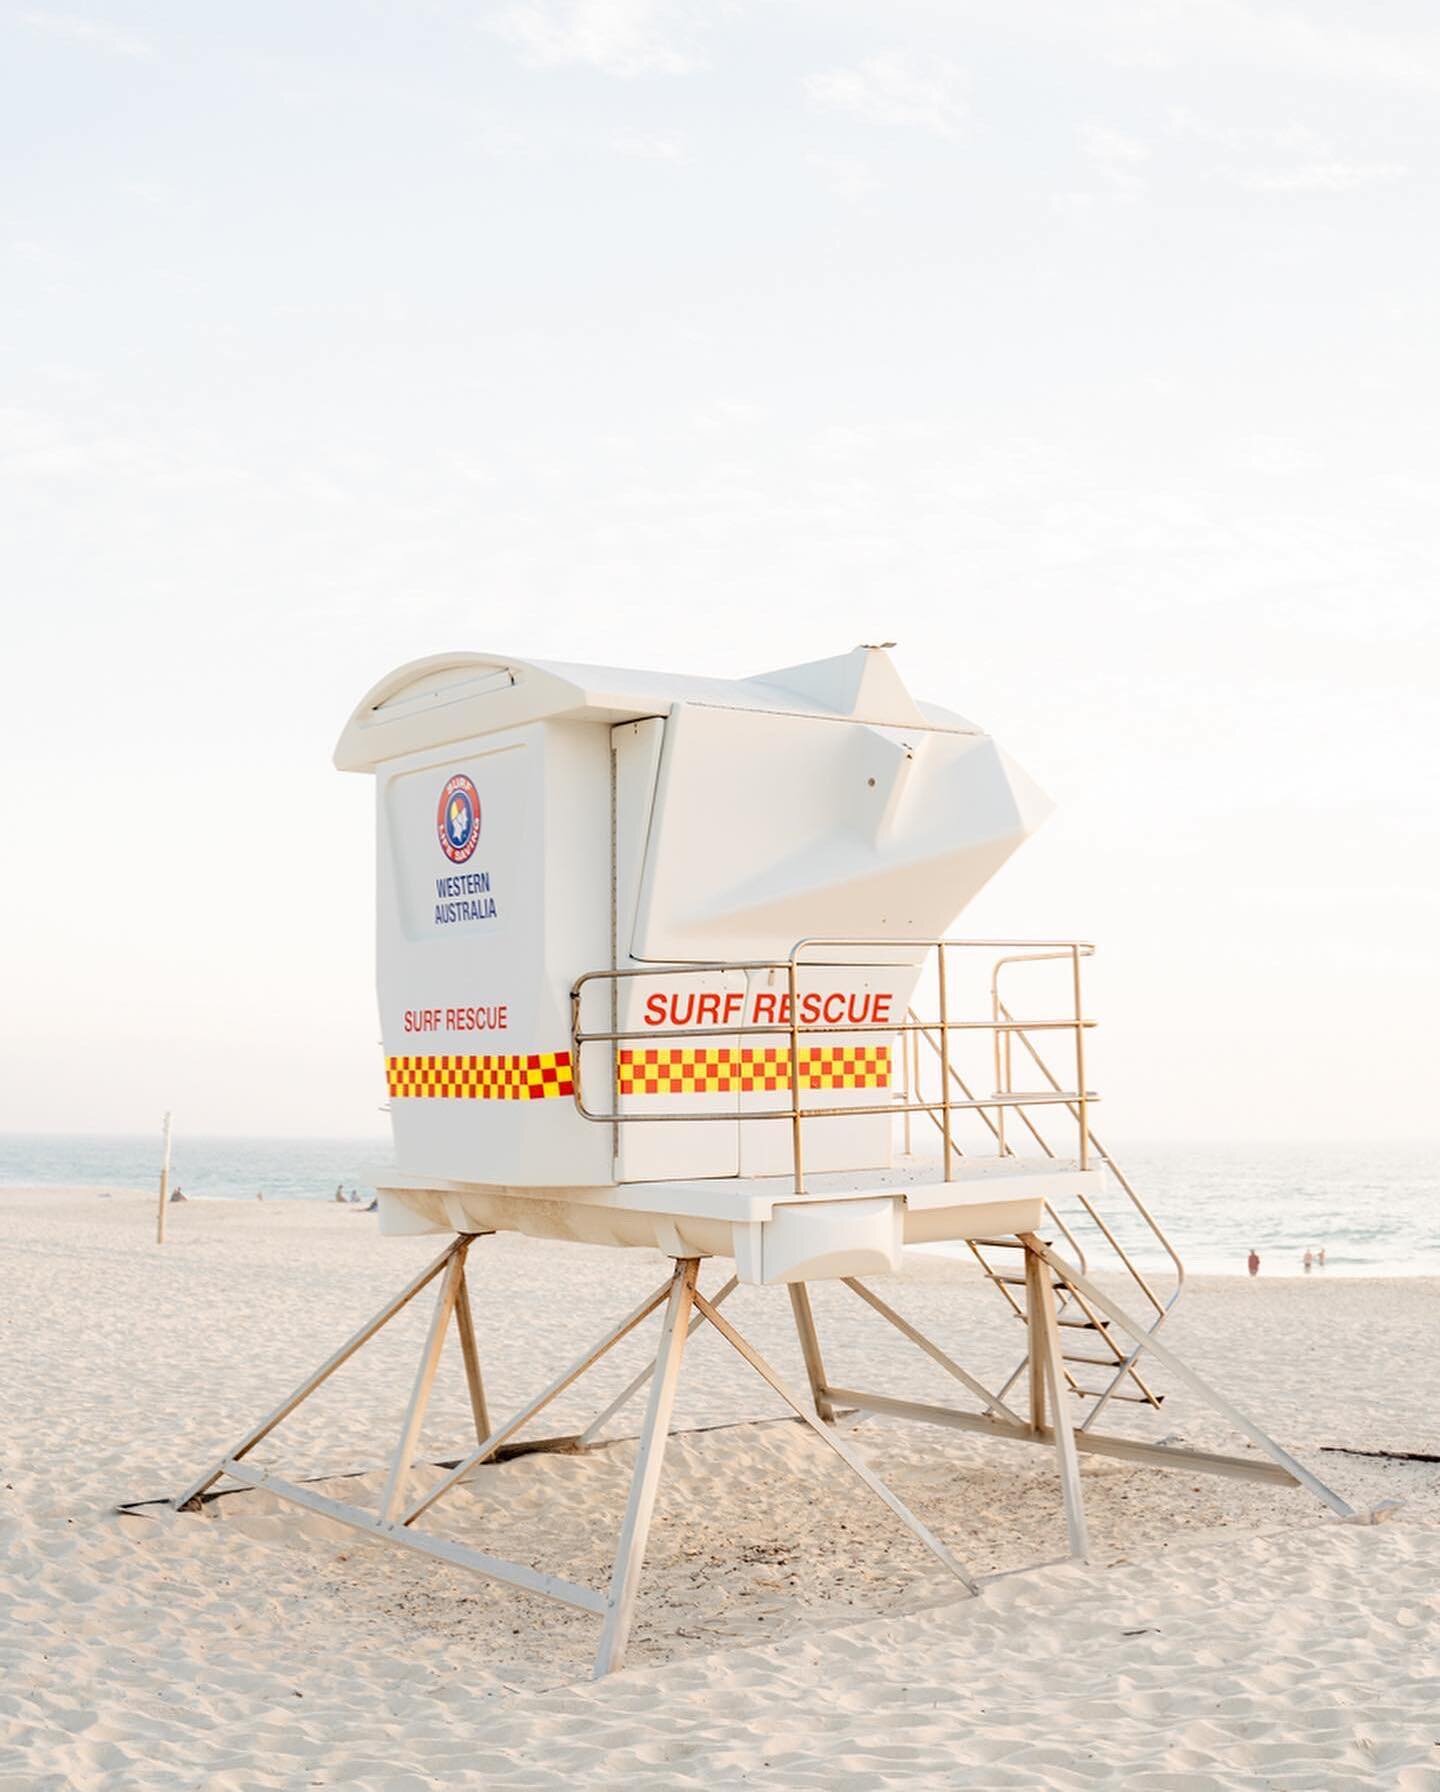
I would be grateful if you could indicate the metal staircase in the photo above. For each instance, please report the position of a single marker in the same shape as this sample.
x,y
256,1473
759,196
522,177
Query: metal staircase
x,y
1100,1361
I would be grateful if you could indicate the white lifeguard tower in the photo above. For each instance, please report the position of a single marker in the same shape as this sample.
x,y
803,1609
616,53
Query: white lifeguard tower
x,y
663,962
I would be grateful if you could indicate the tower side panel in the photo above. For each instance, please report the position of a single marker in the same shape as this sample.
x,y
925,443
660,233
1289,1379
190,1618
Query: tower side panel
x,y
493,894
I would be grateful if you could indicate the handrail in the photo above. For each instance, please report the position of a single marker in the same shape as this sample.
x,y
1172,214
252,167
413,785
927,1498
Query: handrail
x,y
1119,1176
793,1029
1005,1151
1163,1307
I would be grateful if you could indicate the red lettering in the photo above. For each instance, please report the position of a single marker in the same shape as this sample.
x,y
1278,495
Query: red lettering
x,y
810,1007
655,1010
764,1007
834,1007
734,1002
708,1006
479,1019
882,1008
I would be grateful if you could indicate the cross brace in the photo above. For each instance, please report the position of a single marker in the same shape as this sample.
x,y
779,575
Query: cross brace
x,y
686,1310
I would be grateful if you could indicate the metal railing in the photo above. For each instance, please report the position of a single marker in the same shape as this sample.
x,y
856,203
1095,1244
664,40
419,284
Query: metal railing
x,y
945,1028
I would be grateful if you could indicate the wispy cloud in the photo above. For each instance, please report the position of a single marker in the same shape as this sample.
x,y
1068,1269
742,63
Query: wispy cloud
x,y
619,37
1286,158
1281,139
648,146
893,89
1278,457
1116,157
1348,46
89,34
847,177
1319,177
1293,42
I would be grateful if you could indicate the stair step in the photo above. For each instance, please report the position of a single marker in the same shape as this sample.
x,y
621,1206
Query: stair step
x,y
1007,1244
1134,1399
1087,1325
1016,1281
1103,1362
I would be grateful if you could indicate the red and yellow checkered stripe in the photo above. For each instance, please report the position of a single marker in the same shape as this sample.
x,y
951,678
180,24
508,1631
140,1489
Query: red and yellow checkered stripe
x,y
507,1076
741,1070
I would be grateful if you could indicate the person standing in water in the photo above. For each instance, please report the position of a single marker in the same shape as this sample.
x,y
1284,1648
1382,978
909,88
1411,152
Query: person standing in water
x,y
1252,1262
1308,1259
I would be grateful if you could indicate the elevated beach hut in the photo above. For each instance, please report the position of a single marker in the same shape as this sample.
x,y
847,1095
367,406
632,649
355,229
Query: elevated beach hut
x,y
664,961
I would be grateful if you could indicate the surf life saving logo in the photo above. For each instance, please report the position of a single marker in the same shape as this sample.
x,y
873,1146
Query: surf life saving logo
x,y
457,820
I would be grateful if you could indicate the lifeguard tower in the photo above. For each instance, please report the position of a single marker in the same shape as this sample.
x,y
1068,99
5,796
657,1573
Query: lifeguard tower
x,y
663,961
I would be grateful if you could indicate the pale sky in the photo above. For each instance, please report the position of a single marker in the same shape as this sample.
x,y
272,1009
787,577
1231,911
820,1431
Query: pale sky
x,y
1086,350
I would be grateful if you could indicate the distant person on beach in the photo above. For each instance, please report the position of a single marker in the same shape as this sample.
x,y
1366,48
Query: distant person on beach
x,y
178,1194
1320,1256
1308,1259
340,1193
1252,1262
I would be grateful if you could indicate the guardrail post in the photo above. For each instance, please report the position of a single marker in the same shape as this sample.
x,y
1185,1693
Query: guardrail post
x,y
1080,1061
944,1056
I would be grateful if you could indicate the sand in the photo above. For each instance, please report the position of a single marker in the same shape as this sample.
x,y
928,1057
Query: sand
x,y
789,1633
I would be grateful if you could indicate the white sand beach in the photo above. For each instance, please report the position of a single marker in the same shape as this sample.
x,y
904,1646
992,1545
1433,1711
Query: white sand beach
x,y
790,1633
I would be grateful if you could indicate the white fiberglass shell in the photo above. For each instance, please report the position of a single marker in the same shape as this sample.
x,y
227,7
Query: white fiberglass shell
x,y
540,821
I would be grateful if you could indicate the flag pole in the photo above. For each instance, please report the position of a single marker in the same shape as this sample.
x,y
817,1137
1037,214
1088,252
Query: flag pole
x,y
164,1184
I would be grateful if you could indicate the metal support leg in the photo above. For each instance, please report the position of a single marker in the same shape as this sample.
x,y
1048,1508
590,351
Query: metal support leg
x,y
465,1326
1036,1276
645,1483
1045,1340
395,1481
810,1350
1163,1354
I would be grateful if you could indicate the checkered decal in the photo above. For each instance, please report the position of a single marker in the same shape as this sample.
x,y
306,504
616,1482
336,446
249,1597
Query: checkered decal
x,y
742,1070
513,1076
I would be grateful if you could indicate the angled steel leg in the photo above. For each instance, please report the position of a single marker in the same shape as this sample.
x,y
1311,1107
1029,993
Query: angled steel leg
x,y
395,1481
1045,1348
810,1349
465,1326
645,1483
1182,1372
1035,1353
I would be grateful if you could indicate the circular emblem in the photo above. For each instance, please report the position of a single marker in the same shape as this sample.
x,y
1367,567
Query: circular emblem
x,y
457,820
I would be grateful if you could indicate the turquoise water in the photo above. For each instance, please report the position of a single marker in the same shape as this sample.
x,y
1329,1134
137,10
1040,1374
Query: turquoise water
x,y
1375,1208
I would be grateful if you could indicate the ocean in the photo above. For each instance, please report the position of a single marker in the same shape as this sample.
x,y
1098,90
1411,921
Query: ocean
x,y
1375,1208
